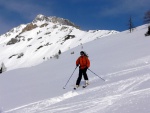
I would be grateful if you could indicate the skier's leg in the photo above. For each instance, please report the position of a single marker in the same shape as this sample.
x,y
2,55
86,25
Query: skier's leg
x,y
85,77
79,77
85,74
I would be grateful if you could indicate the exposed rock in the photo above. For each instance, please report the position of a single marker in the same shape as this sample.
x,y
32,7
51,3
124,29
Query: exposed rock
x,y
12,41
20,55
29,27
12,56
43,25
69,37
54,19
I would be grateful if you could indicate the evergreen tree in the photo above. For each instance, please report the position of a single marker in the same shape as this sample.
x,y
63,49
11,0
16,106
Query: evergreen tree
x,y
59,52
3,68
147,21
130,24
147,17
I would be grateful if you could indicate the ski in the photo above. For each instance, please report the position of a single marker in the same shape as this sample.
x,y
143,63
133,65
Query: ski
x,y
74,88
84,86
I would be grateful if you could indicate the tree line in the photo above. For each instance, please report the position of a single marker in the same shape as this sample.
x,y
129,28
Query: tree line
x,y
146,20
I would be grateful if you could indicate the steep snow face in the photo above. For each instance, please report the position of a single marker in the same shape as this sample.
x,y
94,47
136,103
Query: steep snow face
x,y
123,60
31,44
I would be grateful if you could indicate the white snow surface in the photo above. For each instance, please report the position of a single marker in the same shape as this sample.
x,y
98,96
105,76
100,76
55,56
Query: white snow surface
x,y
51,34
123,60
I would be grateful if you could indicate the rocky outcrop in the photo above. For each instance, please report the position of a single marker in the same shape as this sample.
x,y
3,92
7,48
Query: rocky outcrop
x,y
54,19
29,27
43,25
12,41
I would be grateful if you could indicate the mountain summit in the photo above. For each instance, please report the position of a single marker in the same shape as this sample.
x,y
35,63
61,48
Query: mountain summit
x,y
54,19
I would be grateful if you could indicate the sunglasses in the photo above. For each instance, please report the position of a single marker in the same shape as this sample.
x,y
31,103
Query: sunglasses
x,y
81,54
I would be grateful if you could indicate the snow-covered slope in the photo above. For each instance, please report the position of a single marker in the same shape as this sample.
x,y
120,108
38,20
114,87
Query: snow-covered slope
x,y
122,59
31,44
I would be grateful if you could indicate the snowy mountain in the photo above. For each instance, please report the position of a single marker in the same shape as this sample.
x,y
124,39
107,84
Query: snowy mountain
x,y
123,60
31,44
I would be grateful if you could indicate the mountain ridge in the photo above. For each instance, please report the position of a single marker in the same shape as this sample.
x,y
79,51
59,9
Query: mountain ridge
x,y
54,19
43,37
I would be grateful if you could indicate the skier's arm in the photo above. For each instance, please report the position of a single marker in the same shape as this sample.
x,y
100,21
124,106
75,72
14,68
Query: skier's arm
x,y
77,62
88,63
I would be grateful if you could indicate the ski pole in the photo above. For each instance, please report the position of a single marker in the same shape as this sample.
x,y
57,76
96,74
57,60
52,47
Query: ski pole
x,y
69,78
97,75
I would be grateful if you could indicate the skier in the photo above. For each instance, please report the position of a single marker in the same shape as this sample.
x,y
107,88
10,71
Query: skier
x,y
0,70
83,63
148,32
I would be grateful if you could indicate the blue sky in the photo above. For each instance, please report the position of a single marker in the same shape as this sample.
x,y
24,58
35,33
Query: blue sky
x,y
88,14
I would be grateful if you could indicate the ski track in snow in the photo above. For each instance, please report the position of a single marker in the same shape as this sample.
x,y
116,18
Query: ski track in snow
x,y
33,107
105,96
131,70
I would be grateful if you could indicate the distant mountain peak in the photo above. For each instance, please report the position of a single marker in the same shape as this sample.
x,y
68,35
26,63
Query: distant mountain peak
x,y
54,19
40,17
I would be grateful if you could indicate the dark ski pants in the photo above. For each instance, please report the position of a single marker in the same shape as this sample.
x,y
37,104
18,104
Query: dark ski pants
x,y
82,72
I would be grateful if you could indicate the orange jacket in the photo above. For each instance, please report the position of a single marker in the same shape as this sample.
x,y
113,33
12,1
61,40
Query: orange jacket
x,y
83,61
